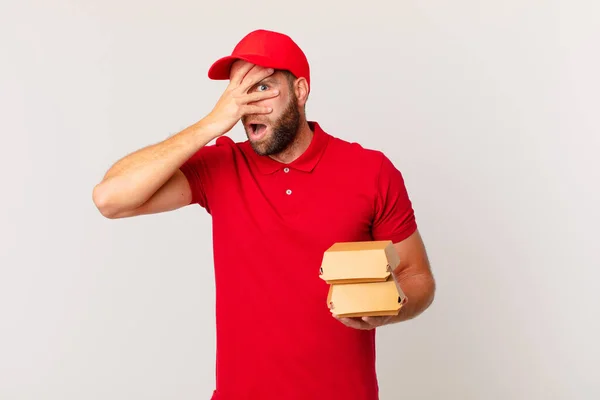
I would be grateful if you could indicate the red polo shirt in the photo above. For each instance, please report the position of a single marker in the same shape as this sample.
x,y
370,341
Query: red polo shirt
x,y
272,222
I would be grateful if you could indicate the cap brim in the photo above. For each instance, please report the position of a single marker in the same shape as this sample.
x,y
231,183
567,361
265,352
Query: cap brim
x,y
220,70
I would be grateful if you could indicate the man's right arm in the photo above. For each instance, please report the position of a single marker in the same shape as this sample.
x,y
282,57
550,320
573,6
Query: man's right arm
x,y
150,180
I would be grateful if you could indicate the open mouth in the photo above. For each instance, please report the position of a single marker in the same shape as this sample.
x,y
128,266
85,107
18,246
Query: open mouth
x,y
257,131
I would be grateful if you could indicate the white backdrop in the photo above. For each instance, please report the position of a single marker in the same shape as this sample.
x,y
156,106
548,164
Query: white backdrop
x,y
490,109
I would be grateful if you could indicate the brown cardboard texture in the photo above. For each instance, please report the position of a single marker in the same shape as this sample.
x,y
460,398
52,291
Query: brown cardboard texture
x,y
366,299
353,262
361,278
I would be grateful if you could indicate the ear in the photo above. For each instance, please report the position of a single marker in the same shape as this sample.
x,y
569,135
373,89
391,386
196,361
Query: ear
x,y
302,90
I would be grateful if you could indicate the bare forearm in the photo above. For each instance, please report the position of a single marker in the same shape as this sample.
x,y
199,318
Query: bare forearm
x,y
132,180
147,181
420,291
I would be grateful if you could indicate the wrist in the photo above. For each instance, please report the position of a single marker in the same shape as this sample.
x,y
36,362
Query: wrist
x,y
204,131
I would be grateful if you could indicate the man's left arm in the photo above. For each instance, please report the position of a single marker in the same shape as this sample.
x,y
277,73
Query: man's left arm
x,y
416,280
395,220
414,276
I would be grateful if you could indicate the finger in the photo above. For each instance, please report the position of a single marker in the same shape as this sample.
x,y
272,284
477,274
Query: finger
x,y
355,323
240,73
373,321
256,75
257,96
376,321
254,109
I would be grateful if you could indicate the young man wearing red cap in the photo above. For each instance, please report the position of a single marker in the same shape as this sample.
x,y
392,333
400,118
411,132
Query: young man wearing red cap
x,y
277,202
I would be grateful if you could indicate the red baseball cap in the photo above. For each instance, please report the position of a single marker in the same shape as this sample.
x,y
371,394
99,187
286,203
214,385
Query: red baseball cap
x,y
267,49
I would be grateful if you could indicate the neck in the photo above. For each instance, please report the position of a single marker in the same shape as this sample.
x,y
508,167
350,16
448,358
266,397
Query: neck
x,y
297,147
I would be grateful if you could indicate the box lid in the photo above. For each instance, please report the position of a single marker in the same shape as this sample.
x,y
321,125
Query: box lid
x,y
371,261
366,299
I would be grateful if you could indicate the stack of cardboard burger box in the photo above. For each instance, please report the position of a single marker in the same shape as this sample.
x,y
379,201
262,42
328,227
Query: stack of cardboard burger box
x,y
361,279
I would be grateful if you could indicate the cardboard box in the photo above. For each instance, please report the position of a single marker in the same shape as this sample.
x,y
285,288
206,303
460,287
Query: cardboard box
x,y
361,279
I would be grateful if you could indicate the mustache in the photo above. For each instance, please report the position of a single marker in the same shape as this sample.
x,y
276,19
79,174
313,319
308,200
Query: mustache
x,y
256,120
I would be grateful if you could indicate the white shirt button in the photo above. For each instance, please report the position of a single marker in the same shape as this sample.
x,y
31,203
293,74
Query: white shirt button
x,y
288,191
286,170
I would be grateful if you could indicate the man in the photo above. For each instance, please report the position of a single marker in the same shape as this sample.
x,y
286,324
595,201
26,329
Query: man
x,y
277,202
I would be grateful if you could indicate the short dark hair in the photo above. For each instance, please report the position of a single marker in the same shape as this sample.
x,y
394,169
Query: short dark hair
x,y
290,78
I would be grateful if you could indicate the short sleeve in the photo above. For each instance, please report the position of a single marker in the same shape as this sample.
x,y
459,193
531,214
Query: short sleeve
x,y
394,215
201,172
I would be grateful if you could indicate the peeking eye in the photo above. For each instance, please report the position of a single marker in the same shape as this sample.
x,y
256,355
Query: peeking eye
x,y
262,87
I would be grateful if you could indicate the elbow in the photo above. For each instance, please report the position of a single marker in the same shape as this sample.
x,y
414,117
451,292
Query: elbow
x,y
103,201
430,290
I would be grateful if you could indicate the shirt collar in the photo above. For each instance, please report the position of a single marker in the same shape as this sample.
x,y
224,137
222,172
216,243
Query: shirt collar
x,y
305,163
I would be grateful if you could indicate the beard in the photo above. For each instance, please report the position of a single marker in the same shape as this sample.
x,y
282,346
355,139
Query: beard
x,y
284,132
